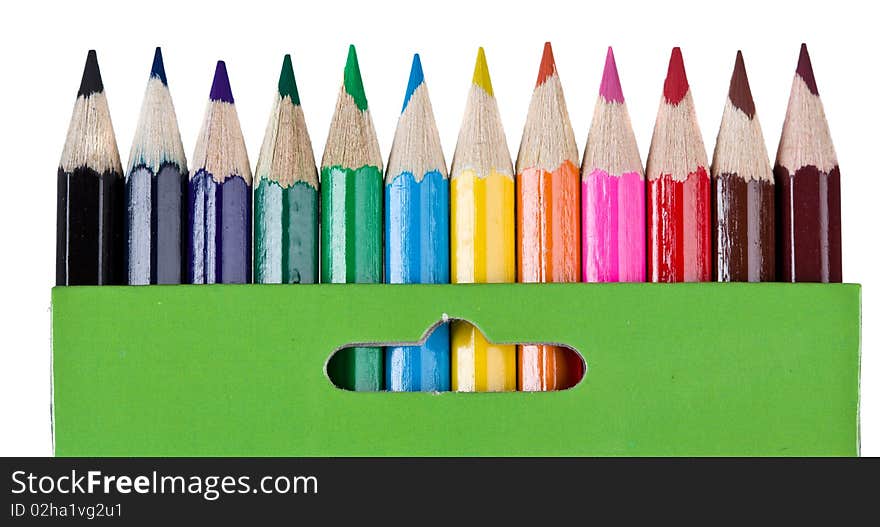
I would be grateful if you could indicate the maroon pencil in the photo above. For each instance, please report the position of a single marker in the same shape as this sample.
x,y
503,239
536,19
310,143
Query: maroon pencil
x,y
743,208
808,186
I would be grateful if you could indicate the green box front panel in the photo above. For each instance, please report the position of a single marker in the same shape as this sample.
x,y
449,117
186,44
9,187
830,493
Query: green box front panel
x,y
673,369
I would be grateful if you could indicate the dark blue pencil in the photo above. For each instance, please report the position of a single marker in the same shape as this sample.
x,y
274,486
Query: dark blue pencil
x,y
155,189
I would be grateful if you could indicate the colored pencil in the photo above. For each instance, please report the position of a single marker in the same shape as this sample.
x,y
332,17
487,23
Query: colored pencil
x,y
808,186
286,193
547,220
742,187
351,218
91,219
155,189
613,199
482,223
220,194
679,189
417,232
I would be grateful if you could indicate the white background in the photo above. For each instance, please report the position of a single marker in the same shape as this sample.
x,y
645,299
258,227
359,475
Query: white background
x,y
44,47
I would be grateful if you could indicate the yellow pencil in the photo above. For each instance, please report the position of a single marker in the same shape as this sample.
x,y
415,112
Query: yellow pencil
x,y
481,233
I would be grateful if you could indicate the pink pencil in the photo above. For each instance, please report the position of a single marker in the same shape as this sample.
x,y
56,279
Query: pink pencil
x,y
613,190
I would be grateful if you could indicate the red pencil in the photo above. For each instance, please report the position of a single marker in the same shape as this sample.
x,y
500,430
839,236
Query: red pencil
x,y
679,189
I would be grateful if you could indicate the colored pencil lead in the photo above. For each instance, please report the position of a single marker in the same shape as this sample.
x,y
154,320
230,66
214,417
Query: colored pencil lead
x,y
158,69
676,86
610,87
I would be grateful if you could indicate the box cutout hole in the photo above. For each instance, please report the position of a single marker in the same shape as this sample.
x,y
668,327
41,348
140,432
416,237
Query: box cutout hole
x,y
455,355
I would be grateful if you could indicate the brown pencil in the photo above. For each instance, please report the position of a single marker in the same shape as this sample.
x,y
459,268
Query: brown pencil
x,y
743,225
808,186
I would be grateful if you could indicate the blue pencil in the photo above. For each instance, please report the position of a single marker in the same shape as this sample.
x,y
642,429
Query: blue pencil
x,y
155,189
417,233
220,194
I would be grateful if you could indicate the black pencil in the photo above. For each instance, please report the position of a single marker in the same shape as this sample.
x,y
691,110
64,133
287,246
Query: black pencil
x,y
90,192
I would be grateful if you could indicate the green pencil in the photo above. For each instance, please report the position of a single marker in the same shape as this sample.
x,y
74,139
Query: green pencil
x,y
351,218
286,194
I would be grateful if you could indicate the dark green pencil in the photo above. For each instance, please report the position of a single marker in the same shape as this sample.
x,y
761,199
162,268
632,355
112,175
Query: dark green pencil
x,y
286,194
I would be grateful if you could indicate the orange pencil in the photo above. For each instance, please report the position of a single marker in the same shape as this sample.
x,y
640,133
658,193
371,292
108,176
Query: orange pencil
x,y
548,220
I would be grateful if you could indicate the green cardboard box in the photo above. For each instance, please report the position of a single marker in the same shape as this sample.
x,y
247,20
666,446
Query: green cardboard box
x,y
672,369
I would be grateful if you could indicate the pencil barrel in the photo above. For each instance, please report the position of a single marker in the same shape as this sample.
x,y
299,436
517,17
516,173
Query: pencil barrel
x,y
679,228
482,224
90,224
359,369
424,368
220,230
417,251
808,204
744,229
613,213
285,233
351,225
479,365
548,250
482,250
351,252
156,214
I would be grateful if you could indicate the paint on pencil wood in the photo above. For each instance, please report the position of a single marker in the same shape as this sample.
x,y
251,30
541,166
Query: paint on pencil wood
x,y
479,365
155,189
351,218
90,198
285,233
547,219
424,368
359,369
742,187
219,244
286,193
613,190
351,225
482,232
417,233
679,189
807,186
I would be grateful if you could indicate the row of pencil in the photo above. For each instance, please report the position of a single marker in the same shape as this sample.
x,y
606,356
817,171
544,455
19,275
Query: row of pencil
x,y
542,220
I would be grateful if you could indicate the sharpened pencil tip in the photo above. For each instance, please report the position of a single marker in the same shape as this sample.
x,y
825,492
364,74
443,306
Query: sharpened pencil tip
x,y
548,65
91,79
481,73
220,89
158,69
610,88
416,79
740,94
287,81
805,70
354,84
676,85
